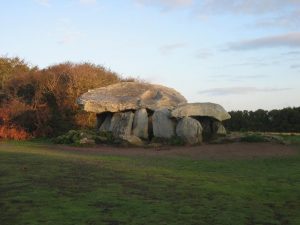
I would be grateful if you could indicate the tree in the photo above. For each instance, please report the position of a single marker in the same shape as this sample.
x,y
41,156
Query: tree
x,y
284,120
10,67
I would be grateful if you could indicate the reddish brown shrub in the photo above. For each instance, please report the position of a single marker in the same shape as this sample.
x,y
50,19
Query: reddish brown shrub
x,y
85,119
13,133
43,102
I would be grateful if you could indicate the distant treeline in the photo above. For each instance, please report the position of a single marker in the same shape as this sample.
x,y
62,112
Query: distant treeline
x,y
283,120
42,102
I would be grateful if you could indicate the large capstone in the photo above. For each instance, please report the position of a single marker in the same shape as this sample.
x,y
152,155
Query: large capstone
x,y
130,96
190,130
121,124
140,124
163,125
201,109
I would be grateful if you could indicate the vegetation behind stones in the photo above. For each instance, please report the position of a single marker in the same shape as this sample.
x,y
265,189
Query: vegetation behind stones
x,y
42,102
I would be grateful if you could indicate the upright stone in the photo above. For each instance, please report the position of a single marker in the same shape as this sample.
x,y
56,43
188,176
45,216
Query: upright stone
x,y
190,130
105,126
133,140
121,124
218,128
163,125
140,124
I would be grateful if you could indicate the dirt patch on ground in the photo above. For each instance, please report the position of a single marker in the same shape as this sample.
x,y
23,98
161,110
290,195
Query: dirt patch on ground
x,y
206,151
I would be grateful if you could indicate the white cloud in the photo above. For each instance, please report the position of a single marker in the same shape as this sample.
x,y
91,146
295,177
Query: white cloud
x,y
291,40
249,6
67,33
288,19
43,2
239,90
229,6
291,53
204,54
68,37
167,49
275,13
268,12
167,4
83,2
236,78
295,66
88,2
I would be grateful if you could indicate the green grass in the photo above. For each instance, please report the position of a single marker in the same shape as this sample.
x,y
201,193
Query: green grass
x,y
253,138
293,139
41,185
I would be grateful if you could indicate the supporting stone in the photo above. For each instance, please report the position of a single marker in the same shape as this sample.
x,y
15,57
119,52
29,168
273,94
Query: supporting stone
x,y
133,140
121,124
140,124
105,126
190,130
218,128
163,125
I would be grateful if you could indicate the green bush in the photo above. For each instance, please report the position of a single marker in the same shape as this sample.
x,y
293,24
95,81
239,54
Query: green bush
x,y
105,137
85,137
263,138
74,137
175,141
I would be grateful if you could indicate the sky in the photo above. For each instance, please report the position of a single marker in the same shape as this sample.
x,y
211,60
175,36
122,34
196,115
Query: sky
x,y
242,54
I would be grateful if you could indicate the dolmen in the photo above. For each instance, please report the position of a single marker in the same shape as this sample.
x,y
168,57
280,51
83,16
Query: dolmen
x,y
138,112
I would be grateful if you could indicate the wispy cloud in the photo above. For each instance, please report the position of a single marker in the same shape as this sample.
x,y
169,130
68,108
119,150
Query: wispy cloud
x,y
168,49
295,66
229,6
291,53
239,90
268,12
287,19
237,77
88,2
66,32
68,37
167,4
251,64
248,6
204,54
291,40
83,2
43,2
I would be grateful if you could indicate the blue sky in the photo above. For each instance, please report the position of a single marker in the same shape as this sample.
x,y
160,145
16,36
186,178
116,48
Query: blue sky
x,y
242,54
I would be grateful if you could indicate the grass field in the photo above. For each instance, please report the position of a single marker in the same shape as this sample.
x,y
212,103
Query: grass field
x,y
41,185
